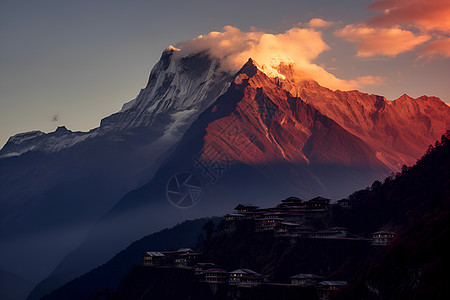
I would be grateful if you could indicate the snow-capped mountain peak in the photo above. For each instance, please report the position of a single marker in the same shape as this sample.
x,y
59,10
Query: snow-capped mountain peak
x,y
178,90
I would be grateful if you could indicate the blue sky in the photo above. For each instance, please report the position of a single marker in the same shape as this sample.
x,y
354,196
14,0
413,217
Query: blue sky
x,y
73,62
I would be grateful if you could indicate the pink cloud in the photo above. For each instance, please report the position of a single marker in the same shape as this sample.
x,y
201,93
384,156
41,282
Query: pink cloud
x,y
297,46
431,15
401,26
369,80
380,41
317,23
437,47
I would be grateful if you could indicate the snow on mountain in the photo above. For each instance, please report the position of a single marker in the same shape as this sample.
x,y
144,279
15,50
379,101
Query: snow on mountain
x,y
177,85
60,139
63,180
127,105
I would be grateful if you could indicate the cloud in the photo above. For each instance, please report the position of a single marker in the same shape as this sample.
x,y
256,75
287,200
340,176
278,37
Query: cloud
x,y
401,26
439,47
370,80
317,23
431,15
380,41
297,46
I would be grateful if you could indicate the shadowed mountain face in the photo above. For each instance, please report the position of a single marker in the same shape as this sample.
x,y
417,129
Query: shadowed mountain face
x,y
109,274
54,186
414,204
257,142
246,137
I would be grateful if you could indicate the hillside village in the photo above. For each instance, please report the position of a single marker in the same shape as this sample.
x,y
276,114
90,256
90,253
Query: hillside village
x,y
292,219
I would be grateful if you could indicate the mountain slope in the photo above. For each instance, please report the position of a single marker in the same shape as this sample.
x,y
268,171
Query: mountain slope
x,y
108,275
65,181
416,205
12,287
398,131
256,143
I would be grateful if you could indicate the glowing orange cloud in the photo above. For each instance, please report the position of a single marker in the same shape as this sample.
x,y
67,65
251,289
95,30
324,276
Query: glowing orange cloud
x,y
407,22
317,23
437,47
297,46
428,15
381,41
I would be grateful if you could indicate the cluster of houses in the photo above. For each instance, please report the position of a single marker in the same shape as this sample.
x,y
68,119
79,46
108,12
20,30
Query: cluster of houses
x,y
182,258
382,238
249,278
289,219
210,273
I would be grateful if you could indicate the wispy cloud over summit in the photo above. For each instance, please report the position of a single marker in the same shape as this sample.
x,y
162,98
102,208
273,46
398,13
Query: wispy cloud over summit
x,y
297,46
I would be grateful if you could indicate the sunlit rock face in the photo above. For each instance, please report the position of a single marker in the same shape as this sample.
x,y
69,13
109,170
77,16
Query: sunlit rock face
x,y
296,120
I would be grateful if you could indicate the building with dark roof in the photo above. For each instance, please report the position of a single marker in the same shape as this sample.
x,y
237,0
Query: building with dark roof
x,y
305,279
245,277
326,288
216,276
382,238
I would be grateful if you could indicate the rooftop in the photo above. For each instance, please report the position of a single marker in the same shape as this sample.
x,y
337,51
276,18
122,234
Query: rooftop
x,y
330,283
245,271
154,253
306,276
383,232
215,271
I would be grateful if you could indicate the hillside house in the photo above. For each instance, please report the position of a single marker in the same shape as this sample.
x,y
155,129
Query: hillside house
x,y
184,257
344,203
200,268
326,288
287,229
154,258
291,202
234,217
334,233
382,238
318,202
216,276
245,277
268,222
245,208
295,217
187,259
305,279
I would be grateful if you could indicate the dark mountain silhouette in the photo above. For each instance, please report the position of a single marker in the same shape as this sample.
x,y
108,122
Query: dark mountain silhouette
x,y
414,203
13,287
108,275
55,186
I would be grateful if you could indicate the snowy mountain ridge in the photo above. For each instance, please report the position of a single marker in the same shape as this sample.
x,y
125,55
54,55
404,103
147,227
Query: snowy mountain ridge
x,y
178,90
